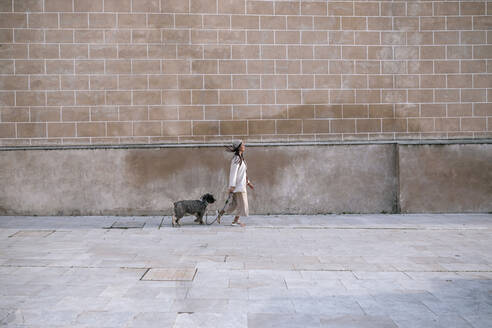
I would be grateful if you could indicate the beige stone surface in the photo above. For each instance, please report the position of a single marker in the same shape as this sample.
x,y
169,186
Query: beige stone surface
x,y
255,56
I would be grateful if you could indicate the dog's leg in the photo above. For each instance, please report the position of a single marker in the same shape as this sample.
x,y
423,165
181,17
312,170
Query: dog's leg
x,y
175,222
200,218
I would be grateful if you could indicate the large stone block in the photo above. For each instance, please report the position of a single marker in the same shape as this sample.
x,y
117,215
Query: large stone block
x,y
146,181
445,178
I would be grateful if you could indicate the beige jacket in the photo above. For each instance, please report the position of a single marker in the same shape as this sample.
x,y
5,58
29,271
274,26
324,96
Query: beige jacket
x,y
237,175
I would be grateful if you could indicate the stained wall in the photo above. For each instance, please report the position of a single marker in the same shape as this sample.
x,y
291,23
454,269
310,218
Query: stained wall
x,y
294,179
174,71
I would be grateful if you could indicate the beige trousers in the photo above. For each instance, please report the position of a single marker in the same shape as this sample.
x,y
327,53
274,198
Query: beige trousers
x,y
238,205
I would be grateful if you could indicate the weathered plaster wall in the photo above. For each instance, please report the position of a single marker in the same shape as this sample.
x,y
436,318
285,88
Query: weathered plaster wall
x,y
301,179
446,178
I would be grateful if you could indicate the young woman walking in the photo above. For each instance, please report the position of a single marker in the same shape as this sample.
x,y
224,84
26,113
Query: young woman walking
x,y
238,180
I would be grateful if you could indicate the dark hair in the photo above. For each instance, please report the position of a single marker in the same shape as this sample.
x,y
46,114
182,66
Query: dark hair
x,y
231,149
209,198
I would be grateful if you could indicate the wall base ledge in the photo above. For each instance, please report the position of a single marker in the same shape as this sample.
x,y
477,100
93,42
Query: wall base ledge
x,y
253,144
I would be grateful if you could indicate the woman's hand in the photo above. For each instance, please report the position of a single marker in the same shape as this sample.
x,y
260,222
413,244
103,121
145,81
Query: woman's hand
x,y
231,189
250,185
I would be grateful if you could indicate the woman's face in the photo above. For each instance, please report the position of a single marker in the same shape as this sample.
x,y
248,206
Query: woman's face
x,y
242,148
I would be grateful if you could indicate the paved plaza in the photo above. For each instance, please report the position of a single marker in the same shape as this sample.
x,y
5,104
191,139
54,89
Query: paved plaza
x,y
377,271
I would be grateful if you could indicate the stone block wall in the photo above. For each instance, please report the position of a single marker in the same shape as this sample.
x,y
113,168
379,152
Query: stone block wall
x,y
181,71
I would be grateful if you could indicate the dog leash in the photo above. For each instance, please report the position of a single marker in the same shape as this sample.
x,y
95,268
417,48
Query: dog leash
x,y
222,211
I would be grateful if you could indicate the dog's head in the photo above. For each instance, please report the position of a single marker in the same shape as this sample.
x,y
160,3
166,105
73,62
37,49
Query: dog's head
x,y
209,198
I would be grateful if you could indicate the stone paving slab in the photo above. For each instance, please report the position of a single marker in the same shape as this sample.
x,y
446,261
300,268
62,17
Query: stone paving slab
x,y
128,224
180,274
32,233
414,270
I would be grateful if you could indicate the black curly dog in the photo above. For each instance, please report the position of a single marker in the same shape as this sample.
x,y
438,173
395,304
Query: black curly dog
x,y
192,207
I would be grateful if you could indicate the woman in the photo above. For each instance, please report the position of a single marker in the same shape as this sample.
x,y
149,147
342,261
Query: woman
x,y
238,180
